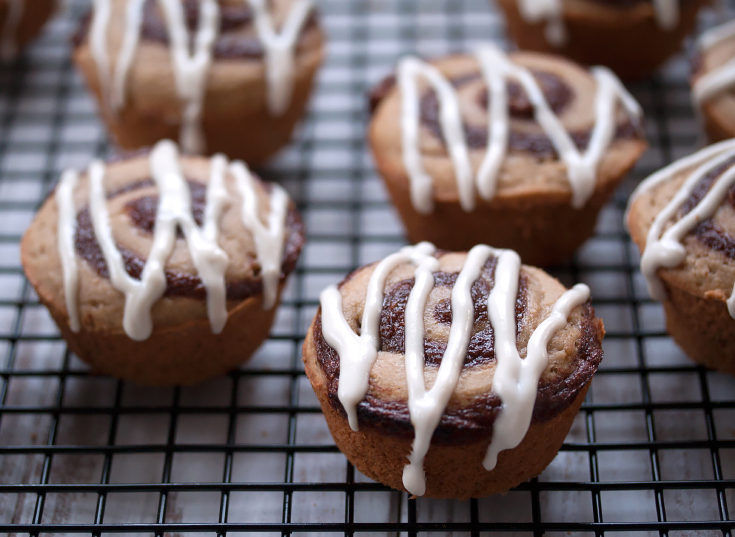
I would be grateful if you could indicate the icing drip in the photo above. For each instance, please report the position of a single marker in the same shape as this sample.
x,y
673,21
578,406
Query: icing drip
x,y
664,248
279,50
516,380
451,121
174,212
67,227
190,70
269,239
549,11
666,13
191,67
8,41
98,43
358,353
721,78
497,68
133,24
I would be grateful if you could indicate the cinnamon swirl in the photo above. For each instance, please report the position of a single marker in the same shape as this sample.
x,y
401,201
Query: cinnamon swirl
x,y
452,375
163,269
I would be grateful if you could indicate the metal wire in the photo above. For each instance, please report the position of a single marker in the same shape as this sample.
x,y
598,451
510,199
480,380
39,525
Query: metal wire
x,y
652,452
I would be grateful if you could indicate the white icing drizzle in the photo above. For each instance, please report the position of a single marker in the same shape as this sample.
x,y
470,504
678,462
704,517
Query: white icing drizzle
x,y
279,50
191,67
515,381
174,212
550,11
269,238
98,43
721,78
9,36
665,248
451,121
358,353
666,13
190,70
497,68
67,224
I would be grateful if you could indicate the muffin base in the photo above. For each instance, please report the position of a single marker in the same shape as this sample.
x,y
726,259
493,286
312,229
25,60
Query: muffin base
x,y
702,327
630,43
174,355
718,124
544,230
452,471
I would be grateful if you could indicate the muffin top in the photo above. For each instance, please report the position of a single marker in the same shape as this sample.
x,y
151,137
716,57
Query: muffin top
x,y
713,77
427,331
214,54
683,220
160,240
503,127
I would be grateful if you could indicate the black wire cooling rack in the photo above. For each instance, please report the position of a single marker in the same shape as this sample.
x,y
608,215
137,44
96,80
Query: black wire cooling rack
x,y
651,453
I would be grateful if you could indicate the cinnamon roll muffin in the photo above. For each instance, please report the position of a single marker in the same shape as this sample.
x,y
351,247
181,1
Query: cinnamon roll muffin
x,y
683,220
518,151
631,37
230,76
452,375
713,81
163,269
20,22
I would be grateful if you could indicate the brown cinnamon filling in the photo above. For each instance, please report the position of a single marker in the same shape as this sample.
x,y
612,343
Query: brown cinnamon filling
x,y
482,341
475,421
708,232
142,214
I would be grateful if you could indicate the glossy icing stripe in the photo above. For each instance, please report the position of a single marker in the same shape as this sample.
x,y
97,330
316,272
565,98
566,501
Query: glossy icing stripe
x,y
9,39
426,407
175,212
716,35
551,12
664,249
666,173
497,68
516,380
190,69
280,50
269,238
450,118
131,37
98,44
357,354
66,226
513,379
723,77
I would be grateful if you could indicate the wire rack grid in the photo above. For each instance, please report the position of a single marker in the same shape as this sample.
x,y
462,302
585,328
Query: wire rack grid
x,y
651,453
